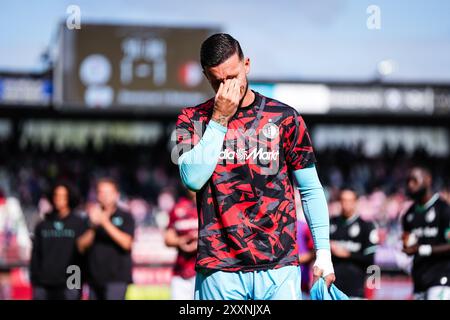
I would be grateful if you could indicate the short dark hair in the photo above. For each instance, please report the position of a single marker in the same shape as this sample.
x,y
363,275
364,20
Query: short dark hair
x,y
109,180
218,48
348,188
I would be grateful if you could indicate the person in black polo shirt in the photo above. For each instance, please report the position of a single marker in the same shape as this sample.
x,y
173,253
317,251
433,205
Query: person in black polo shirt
x,y
107,244
353,244
54,248
426,237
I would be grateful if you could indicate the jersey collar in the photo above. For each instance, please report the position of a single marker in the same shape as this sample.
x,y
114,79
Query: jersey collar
x,y
429,203
352,219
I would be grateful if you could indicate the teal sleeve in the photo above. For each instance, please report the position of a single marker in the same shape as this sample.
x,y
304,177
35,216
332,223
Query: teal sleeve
x,y
314,206
197,165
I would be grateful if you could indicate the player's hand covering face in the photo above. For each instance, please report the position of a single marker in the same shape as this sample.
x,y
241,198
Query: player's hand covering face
x,y
229,81
231,69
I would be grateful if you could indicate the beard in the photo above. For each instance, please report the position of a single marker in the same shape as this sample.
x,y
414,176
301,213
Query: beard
x,y
417,195
245,92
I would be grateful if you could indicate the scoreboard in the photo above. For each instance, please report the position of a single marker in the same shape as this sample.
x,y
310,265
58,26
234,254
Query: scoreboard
x,y
120,67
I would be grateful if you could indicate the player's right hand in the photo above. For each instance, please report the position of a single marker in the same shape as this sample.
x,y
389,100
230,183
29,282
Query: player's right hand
x,y
318,273
226,101
95,214
323,267
187,243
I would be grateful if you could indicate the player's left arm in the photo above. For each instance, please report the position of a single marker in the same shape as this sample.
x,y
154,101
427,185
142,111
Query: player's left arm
x,y
315,208
300,158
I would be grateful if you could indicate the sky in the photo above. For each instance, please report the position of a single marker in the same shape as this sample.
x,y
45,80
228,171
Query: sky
x,y
285,39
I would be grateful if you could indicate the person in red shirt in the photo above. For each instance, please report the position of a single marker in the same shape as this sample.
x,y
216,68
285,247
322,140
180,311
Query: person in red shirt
x,y
182,233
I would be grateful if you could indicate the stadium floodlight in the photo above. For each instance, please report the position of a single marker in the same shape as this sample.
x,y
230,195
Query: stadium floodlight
x,y
386,67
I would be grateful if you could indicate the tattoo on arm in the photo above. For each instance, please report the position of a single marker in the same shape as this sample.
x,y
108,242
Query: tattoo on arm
x,y
222,120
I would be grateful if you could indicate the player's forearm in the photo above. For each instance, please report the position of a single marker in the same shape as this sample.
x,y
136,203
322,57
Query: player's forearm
x,y
85,240
171,238
314,206
197,165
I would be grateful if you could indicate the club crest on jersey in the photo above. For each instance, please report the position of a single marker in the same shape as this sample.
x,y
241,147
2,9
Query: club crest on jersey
x,y
354,230
58,225
270,130
117,221
241,154
430,215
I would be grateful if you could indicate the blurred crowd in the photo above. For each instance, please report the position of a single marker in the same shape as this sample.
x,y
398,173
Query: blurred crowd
x,y
150,185
145,173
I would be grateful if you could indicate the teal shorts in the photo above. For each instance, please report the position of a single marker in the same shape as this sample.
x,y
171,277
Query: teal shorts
x,y
274,284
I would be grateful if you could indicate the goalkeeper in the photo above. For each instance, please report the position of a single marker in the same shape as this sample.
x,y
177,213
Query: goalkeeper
x,y
242,152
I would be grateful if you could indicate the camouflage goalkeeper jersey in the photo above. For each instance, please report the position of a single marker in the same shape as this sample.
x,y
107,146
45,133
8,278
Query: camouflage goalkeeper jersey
x,y
247,216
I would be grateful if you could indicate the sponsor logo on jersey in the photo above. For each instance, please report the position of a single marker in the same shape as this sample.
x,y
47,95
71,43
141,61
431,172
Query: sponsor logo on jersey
x,y
243,155
426,232
58,231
